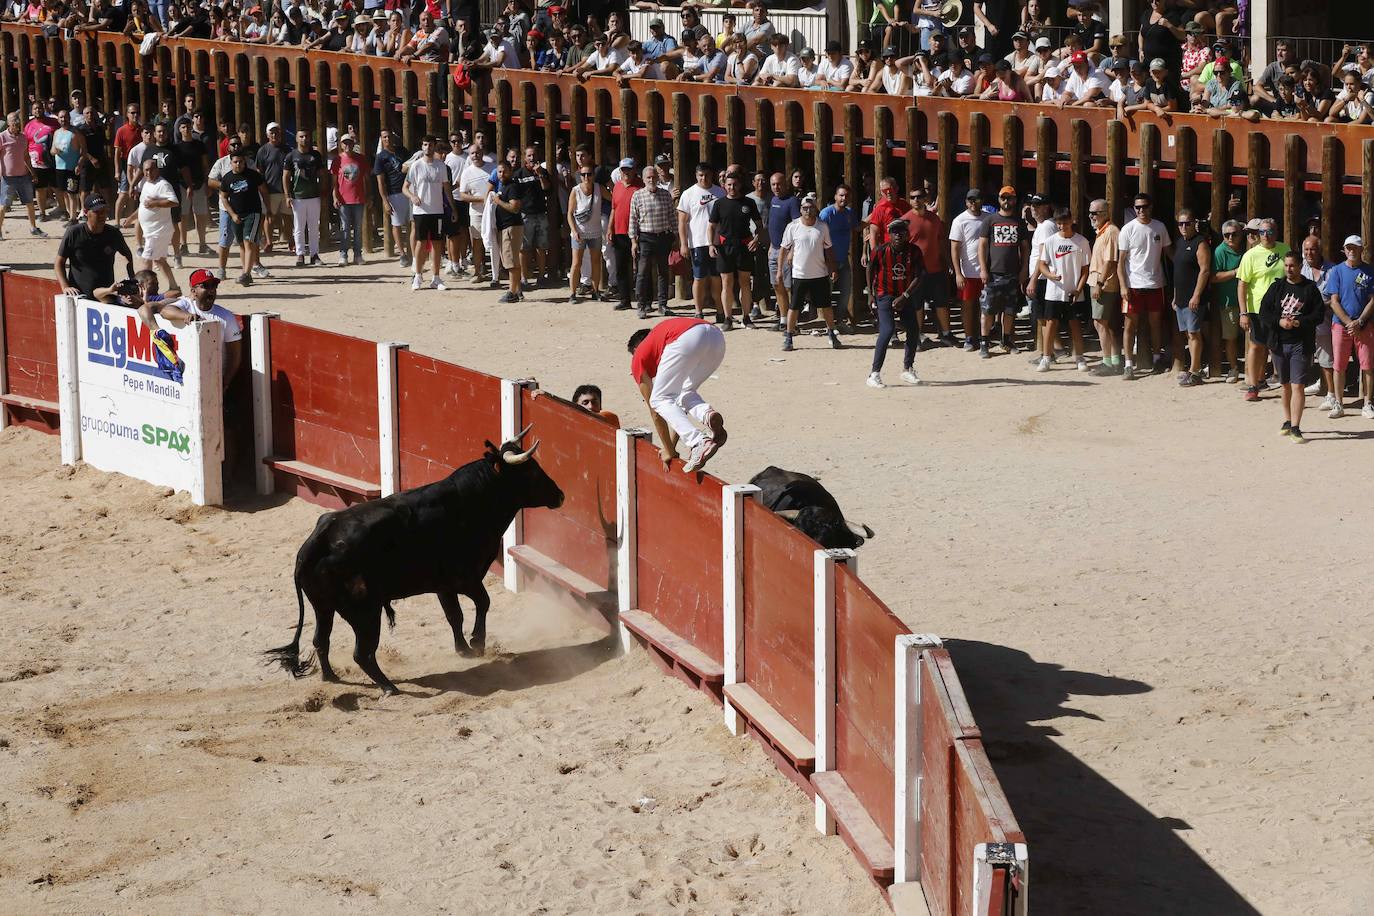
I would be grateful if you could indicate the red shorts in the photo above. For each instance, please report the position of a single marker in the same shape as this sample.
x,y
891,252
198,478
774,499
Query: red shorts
x,y
972,291
1145,302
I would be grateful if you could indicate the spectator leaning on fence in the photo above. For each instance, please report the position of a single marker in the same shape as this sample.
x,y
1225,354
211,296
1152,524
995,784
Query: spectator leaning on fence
x,y
86,256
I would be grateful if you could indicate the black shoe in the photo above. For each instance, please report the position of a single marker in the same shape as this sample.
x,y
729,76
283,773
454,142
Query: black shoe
x,y
663,311
300,261
315,261
643,313
621,307
755,314
949,339
729,324
835,341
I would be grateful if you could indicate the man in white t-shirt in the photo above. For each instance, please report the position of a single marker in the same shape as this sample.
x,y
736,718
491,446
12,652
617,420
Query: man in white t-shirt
x,y
779,68
1143,245
456,227
637,66
1062,260
694,231
964,232
834,70
156,198
200,306
603,61
1083,85
426,186
806,251
474,183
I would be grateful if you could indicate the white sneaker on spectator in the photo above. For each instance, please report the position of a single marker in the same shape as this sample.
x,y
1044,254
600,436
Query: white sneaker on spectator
x,y
1314,388
436,283
1337,412
1043,365
1082,364
1328,402
343,259
1025,312
910,377
1367,411
260,271
416,282
875,380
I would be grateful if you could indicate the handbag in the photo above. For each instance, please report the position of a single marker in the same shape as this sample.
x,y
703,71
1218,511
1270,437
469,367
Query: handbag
x,y
679,266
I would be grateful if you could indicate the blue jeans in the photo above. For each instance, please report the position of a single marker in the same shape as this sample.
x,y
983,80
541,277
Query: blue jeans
x,y
887,325
159,9
351,227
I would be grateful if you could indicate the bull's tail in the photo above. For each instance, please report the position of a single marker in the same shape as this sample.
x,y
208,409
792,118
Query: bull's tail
x,y
289,655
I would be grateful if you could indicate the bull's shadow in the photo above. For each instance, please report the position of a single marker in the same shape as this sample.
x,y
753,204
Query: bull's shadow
x,y
1093,849
520,671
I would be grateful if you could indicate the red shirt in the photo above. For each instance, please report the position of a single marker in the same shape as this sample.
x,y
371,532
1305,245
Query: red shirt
x,y
650,350
928,234
620,209
350,175
884,212
126,138
223,147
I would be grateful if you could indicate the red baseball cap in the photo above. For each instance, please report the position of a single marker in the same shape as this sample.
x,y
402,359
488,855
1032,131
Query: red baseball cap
x,y
1221,63
1078,58
203,277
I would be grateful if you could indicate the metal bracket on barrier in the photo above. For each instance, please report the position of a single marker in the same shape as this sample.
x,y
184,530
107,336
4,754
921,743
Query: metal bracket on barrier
x,y
627,527
987,857
732,569
906,756
823,592
510,427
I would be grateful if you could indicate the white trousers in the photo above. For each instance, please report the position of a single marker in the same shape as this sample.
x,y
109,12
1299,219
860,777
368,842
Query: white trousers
x,y
305,212
686,363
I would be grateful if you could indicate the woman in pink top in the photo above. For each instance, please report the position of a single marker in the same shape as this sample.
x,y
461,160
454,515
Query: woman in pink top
x,y
1006,85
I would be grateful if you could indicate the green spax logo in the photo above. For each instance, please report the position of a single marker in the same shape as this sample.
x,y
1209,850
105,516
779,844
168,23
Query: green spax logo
x,y
167,438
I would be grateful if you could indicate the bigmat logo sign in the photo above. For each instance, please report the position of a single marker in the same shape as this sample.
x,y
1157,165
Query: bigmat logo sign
x,y
143,403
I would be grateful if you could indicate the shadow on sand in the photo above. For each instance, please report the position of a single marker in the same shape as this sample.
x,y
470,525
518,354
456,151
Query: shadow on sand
x,y
1093,849
536,668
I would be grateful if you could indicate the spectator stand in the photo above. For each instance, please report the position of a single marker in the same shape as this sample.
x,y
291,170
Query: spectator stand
x,y
806,28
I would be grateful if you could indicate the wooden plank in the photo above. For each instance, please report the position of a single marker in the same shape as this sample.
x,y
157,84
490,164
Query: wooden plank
x,y
551,569
37,404
793,744
860,831
950,695
683,652
328,478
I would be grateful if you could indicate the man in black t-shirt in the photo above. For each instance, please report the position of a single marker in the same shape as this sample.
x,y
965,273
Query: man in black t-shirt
x,y
243,195
269,161
1091,31
1004,259
536,183
193,154
86,255
1000,19
510,228
736,227
303,180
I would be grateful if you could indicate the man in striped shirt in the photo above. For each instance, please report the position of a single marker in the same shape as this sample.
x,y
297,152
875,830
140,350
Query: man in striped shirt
x,y
895,272
652,216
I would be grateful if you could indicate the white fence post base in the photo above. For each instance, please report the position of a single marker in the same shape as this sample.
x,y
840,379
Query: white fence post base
x,y
627,529
388,416
68,386
823,592
906,757
510,428
986,857
260,356
732,568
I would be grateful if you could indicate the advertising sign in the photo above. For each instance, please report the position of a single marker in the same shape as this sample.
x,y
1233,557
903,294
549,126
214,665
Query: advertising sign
x,y
142,403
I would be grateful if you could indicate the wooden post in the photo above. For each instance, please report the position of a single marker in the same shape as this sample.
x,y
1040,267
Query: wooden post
x,y
1221,176
528,112
853,166
1149,160
73,66
434,123
551,109
710,119
7,94
825,139
734,129
915,139
24,78
409,93
1333,169
577,115
1367,192
978,134
147,87
629,117
1080,145
110,86
1185,164
281,96
1116,169
682,119
791,138
882,139
653,130
345,97
260,116
373,214
601,125
1011,150
1045,146
1256,166
947,128
1294,157
763,136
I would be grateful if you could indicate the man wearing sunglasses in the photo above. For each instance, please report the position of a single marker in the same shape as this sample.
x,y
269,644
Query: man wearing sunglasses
x,y
1104,286
1003,258
1225,263
1144,243
1259,268
927,232
1192,292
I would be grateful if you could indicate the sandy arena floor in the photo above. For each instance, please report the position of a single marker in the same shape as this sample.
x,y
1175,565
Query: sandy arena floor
x,y
1160,610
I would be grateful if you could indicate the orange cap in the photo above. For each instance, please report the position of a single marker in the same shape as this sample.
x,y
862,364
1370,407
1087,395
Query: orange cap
x,y
1006,189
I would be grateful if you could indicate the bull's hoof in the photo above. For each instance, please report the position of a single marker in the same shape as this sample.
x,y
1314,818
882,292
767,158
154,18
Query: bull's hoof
x,y
468,651
389,692
328,676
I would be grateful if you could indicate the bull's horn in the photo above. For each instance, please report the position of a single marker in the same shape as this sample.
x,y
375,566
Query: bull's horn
x,y
789,514
520,457
520,435
858,530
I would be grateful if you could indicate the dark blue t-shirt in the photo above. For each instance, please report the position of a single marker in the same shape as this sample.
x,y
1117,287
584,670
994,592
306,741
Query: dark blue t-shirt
x,y
781,212
1353,284
388,165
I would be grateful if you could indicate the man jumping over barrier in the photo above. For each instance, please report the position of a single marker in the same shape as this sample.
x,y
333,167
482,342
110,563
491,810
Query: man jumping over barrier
x,y
670,363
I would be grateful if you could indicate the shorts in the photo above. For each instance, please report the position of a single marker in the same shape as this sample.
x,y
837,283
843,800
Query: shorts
x,y
462,214
123,187
734,259
1325,357
66,181
704,267
1362,342
20,186
934,291
512,240
277,204
813,293
1001,294
536,232
156,246
246,230
1105,305
1146,302
1055,310
1038,302
774,258
427,227
226,233
972,291
176,215
42,178
1255,331
195,201
1189,321
400,209
1229,318
93,178
586,243
1290,363
450,228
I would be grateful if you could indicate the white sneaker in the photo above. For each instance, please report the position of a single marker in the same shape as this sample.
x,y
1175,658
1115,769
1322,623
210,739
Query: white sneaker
x,y
415,282
260,271
343,260
446,264
1082,364
177,261
875,380
1367,411
910,377
1314,388
436,283
1328,402
1337,412
1025,312
697,458
1043,365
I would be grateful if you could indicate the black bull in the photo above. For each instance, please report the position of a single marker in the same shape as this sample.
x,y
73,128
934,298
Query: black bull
x,y
437,539
802,501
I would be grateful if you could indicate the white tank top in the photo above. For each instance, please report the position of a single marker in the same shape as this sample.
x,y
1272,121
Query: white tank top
x,y
892,81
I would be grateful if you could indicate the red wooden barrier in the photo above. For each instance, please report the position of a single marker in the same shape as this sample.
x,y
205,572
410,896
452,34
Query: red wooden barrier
x,y
30,335
444,414
679,560
324,405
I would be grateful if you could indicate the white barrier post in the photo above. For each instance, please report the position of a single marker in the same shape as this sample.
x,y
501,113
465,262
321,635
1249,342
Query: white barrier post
x,y
732,566
627,528
1013,857
201,349
388,419
68,387
510,428
4,380
906,756
260,356
823,591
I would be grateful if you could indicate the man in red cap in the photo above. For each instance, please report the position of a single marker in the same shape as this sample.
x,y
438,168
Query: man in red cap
x,y
1084,86
200,306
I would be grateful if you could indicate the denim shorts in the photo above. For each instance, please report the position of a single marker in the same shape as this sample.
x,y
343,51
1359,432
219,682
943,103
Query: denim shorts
x,y
704,267
774,257
20,186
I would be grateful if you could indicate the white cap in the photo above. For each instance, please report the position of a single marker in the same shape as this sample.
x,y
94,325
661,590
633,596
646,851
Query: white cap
x,y
1353,240
1051,71
273,125
1043,43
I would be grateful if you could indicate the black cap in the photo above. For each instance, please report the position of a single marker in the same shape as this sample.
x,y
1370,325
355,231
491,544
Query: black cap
x,y
95,202
833,47
973,194
966,30
985,58
889,52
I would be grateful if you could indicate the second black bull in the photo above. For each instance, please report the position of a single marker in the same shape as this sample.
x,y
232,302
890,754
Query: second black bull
x,y
802,501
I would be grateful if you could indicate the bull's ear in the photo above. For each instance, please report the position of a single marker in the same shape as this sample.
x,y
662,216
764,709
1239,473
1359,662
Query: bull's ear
x,y
789,514
858,530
